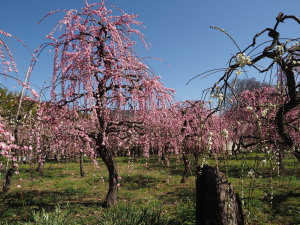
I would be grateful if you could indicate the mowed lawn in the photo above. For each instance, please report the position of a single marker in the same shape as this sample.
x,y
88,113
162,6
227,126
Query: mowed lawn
x,y
269,195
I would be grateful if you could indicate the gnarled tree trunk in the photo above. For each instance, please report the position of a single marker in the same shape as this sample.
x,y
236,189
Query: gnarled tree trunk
x,y
40,160
40,167
82,172
187,168
113,179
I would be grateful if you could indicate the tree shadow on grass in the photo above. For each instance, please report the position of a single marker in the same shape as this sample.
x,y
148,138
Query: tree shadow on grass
x,y
285,208
50,173
171,168
178,194
135,182
279,200
19,206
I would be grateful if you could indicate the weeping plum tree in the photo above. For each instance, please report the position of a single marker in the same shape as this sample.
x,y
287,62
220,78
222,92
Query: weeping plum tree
x,y
96,67
19,110
280,55
8,141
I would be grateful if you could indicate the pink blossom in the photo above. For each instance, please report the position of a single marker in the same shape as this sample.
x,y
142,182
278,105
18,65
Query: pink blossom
x,y
34,93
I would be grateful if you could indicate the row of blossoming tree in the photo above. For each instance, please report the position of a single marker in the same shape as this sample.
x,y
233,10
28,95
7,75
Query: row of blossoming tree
x,y
105,102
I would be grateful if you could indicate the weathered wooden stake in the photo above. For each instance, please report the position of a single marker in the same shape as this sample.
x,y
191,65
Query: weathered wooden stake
x,y
7,181
216,202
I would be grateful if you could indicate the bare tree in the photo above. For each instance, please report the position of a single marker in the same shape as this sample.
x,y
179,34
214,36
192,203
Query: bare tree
x,y
250,84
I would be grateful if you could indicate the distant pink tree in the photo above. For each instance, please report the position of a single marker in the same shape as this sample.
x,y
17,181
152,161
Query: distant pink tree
x,y
59,132
163,133
202,130
253,121
253,118
96,68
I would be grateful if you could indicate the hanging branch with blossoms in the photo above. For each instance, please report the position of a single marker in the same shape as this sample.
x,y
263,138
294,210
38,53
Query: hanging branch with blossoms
x,y
6,58
96,68
284,58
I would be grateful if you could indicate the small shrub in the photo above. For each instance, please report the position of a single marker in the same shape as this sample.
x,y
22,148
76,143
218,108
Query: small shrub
x,y
58,217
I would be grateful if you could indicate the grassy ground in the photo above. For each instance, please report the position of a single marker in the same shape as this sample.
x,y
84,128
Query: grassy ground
x,y
270,196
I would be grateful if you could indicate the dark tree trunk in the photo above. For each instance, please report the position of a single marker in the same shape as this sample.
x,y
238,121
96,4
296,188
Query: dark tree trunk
x,y
196,158
283,110
163,156
105,153
57,157
31,169
108,159
40,167
297,154
216,202
82,172
40,160
8,176
187,168
279,119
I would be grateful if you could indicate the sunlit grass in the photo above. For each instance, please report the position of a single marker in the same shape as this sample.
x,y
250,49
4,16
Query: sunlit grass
x,y
269,197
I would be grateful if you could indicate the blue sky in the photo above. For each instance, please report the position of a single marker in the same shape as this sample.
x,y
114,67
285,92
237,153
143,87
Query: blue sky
x,y
179,32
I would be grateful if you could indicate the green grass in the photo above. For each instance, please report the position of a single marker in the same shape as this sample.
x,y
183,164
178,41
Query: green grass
x,y
151,191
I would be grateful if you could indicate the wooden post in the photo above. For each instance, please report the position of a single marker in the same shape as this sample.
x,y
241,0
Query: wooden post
x,y
216,202
7,181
